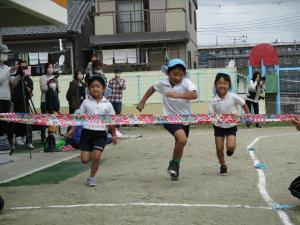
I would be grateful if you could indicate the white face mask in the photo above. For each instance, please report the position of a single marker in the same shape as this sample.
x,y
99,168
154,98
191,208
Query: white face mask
x,y
98,71
3,57
52,86
50,71
80,76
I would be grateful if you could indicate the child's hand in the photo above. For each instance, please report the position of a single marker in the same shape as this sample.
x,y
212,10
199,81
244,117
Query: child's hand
x,y
70,133
171,94
114,139
140,106
296,121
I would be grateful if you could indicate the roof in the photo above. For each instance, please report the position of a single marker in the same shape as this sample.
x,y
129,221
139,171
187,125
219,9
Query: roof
x,y
140,38
77,12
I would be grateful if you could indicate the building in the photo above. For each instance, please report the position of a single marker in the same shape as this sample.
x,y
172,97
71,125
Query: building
x,y
46,43
219,56
143,34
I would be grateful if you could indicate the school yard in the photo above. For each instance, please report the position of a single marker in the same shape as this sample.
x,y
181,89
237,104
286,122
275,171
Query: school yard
x,y
133,186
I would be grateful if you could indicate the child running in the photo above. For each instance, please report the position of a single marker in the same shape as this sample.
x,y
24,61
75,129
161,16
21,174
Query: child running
x,y
94,137
177,92
225,102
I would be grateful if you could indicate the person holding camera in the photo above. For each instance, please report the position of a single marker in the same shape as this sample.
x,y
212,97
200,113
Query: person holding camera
x,y
21,96
255,88
5,80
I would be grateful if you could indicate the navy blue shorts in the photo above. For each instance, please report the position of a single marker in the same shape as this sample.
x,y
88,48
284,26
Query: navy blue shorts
x,y
172,128
92,140
222,132
117,107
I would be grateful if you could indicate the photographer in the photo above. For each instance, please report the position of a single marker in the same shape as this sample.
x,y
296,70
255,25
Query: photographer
x,y
21,96
255,88
5,79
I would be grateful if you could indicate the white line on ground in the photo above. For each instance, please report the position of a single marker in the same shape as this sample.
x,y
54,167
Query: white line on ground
x,y
262,180
141,204
39,168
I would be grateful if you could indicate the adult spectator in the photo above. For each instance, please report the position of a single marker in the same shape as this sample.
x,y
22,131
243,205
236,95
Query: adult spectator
x,y
117,85
76,92
254,90
5,79
21,97
44,88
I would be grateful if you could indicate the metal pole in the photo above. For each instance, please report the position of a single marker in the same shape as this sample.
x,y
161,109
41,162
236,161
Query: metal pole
x,y
278,90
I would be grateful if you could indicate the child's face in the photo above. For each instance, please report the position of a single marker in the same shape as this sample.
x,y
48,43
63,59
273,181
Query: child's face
x,y
96,89
176,76
222,86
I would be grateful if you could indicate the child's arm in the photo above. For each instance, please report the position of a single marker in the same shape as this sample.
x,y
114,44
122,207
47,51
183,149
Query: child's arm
x,y
296,122
112,129
246,109
187,95
140,106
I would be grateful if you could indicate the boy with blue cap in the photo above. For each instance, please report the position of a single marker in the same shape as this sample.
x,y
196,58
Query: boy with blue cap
x,y
177,92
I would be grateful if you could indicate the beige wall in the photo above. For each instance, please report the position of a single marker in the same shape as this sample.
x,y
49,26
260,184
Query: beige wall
x,y
175,20
104,24
175,3
106,6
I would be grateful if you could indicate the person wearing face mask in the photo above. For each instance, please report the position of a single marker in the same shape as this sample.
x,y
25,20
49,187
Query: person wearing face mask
x,y
76,92
51,96
5,80
44,87
52,107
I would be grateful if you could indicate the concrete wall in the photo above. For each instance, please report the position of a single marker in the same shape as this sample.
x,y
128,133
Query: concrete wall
x,y
104,24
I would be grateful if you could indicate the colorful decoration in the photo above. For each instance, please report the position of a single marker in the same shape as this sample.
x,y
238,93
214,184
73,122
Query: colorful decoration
x,y
64,120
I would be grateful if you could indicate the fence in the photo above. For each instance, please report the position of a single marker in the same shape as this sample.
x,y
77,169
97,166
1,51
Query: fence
x,y
138,82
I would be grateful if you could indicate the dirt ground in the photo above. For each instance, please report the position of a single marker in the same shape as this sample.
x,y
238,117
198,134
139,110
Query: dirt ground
x,y
133,186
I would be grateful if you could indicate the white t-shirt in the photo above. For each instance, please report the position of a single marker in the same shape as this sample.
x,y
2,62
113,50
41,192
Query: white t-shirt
x,y
90,106
228,105
175,105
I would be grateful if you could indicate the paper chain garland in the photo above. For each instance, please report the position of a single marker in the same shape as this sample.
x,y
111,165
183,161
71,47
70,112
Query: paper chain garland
x,y
64,120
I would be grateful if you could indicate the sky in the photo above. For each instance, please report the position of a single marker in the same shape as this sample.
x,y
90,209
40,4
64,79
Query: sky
x,y
247,21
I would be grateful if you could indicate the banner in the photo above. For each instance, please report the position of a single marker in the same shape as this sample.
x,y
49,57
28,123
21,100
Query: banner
x,y
64,120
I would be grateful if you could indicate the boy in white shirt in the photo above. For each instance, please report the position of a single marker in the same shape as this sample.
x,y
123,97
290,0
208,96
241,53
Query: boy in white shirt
x,y
94,137
177,92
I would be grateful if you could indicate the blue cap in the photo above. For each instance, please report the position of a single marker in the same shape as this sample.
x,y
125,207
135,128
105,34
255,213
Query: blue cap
x,y
174,62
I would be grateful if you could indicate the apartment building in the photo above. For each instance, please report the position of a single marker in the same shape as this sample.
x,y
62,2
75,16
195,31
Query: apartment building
x,y
218,56
143,34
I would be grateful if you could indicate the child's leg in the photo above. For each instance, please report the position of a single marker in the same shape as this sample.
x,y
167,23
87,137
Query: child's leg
x,y
85,157
230,144
181,140
220,149
96,156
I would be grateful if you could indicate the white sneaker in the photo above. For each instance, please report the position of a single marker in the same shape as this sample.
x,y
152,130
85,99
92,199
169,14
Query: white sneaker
x,y
19,141
30,146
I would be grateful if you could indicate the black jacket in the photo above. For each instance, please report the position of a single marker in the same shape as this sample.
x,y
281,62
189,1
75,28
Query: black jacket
x,y
18,94
52,101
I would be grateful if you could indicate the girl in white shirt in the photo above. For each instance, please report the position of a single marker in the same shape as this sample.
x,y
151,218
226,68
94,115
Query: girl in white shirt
x,y
225,102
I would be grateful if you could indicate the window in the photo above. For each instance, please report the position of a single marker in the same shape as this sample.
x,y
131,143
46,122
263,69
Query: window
x,y
190,12
132,16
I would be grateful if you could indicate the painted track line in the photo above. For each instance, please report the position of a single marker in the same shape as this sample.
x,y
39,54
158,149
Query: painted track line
x,y
142,204
262,180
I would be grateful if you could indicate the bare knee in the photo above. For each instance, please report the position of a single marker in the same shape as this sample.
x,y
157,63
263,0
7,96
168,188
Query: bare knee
x,y
84,161
181,141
